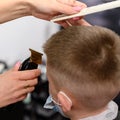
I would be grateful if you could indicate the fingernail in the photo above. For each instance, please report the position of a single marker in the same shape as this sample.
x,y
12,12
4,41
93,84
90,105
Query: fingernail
x,y
76,18
18,63
77,8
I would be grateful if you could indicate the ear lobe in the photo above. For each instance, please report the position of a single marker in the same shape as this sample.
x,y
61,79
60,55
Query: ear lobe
x,y
65,101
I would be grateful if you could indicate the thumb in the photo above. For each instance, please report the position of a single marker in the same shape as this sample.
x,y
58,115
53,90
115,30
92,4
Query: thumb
x,y
17,66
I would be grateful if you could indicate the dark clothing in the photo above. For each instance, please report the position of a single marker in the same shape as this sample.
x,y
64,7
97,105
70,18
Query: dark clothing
x,y
118,117
117,100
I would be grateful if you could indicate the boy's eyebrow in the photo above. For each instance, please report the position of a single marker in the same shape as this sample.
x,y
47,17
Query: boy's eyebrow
x,y
89,10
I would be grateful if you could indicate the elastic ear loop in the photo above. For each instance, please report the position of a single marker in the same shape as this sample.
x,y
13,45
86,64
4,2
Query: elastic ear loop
x,y
66,97
55,102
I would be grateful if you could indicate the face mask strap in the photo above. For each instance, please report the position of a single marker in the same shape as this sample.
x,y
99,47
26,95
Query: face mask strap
x,y
52,104
55,102
66,97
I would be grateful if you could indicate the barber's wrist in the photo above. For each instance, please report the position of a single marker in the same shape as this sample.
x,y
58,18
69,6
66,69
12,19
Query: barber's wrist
x,y
13,9
24,7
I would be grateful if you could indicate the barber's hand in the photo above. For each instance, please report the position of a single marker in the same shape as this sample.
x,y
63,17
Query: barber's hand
x,y
15,85
46,9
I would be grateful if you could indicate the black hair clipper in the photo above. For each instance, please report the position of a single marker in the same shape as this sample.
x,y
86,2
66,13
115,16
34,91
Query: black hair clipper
x,y
32,62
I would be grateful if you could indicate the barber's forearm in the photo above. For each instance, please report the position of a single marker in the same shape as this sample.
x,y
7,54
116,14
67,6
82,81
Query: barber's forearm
x,y
12,9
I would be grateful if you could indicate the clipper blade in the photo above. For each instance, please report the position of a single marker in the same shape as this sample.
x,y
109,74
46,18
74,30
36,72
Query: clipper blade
x,y
36,57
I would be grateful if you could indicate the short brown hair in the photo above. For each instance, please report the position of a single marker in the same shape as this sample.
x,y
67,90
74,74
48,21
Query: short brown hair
x,y
86,61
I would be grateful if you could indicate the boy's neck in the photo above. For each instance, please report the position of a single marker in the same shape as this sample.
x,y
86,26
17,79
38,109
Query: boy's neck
x,y
107,113
84,114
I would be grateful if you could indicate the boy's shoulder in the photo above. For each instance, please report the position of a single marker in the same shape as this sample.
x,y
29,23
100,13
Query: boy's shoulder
x,y
118,117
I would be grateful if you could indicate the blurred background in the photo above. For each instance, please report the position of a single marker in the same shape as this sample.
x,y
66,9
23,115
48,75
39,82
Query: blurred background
x,y
17,36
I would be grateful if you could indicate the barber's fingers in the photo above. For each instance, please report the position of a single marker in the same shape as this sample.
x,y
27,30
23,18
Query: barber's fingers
x,y
22,94
72,3
70,6
27,90
20,98
68,9
83,22
70,22
17,66
80,4
74,22
68,2
29,83
44,16
79,21
20,85
28,74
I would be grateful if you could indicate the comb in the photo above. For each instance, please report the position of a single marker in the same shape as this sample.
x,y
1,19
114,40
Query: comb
x,y
89,10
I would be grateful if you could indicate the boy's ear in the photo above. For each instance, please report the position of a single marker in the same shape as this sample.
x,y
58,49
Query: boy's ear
x,y
65,101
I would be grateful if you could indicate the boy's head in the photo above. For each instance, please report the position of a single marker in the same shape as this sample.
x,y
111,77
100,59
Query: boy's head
x,y
84,63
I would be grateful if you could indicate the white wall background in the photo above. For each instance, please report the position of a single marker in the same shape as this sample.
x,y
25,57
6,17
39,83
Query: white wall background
x,y
17,36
